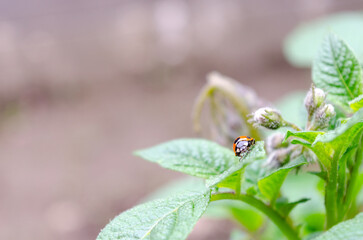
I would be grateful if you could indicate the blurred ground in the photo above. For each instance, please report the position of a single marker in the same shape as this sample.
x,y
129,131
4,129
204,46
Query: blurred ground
x,y
85,83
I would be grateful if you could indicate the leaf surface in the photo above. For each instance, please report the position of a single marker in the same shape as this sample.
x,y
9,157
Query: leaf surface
x,y
270,185
345,135
196,157
162,219
229,177
356,103
337,71
348,230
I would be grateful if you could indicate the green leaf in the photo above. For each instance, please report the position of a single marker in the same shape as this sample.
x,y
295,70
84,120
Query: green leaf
x,y
322,151
303,42
347,230
248,217
185,184
270,185
252,174
229,177
284,207
356,103
345,135
301,186
196,157
314,224
307,136
337,71
170,218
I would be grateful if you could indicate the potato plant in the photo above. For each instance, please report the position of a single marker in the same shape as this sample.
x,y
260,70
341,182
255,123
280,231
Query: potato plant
x,y
301,180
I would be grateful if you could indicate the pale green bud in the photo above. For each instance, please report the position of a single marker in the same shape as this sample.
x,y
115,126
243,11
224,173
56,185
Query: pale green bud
x,y
314,99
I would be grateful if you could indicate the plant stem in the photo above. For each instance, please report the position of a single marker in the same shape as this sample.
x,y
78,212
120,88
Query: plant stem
x,y
275,217
289,124
331,194
353,181
342,185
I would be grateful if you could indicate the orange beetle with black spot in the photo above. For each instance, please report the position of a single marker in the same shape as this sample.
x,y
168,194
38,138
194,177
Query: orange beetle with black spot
x,y
242,144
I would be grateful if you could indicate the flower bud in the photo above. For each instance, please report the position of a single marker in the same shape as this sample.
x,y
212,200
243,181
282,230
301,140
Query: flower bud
x,y
323,115
314,99
268,118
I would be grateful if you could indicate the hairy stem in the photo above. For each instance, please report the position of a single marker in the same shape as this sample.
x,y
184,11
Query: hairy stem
x,y
274,216
342,175
289,124
353,183
331,194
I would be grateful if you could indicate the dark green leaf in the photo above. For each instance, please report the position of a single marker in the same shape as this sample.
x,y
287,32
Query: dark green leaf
x,y
163,219
356,103
229,176
196,157
284,207
347,230
321,175
337,71
270,185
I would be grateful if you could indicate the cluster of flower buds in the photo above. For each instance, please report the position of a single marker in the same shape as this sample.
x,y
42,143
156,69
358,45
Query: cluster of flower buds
x,y
316,106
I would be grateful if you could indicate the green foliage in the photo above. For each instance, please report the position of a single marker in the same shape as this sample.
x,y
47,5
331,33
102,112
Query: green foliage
x,y
229,177
284,207
348,230
337,71
170,218
196,157
356,103
324,151
346,134
270,185
249,218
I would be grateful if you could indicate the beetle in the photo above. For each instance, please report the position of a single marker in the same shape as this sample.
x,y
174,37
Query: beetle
x,y
242,144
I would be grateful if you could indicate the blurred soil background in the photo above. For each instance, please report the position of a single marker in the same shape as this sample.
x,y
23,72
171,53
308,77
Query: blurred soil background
x,y
85,83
